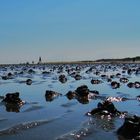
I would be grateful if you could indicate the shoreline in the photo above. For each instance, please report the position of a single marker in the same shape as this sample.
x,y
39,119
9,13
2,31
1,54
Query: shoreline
x,y
78,62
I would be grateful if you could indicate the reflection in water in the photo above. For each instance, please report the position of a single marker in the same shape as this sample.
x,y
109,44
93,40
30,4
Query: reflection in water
x,y
106,123
33,108
78,134
69,104
90,128
83,100
12,107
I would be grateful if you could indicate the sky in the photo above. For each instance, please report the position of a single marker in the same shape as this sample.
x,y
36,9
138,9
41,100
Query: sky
x,y
68,30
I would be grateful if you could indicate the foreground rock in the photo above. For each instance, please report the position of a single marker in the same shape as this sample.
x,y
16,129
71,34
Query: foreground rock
x,y
12,98
82,90
13,102
131,128
82,94
105,108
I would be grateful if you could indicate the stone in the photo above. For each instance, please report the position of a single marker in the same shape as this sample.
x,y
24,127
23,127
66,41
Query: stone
x,y
131,128
51,95
28,81
105,108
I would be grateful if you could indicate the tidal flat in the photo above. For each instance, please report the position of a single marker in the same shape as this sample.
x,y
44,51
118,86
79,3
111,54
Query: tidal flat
x,y
70,102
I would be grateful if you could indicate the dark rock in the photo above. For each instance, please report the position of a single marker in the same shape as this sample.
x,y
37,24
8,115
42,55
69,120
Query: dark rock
x,y
115,85
83,100
12,98
118,75
105,108
62,79
112,76
123,71
4,77
137,71
103,76
21,73
138,97
129,71
131,128
12,107
97,73
137,84
82,94
13,102
73,74
51,95
95,81
78,77
82,90
71,95
8,76
28,81
124,80
31,71
130,85
109,80
46,72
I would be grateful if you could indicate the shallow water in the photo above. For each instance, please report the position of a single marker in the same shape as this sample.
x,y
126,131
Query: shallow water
x,y
62,119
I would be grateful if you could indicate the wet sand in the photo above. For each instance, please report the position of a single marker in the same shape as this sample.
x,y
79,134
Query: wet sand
x,y
38,113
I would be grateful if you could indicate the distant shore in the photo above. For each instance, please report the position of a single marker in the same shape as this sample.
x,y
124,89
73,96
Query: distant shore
x,y
80,62
135,60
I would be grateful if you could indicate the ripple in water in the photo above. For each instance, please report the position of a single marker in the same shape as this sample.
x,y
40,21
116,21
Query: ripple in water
x,y
25,126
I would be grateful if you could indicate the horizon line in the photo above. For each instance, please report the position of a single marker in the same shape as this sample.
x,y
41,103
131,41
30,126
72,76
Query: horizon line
x,y
70,61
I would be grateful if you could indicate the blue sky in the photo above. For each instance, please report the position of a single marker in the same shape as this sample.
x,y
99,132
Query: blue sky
x,y
67,30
